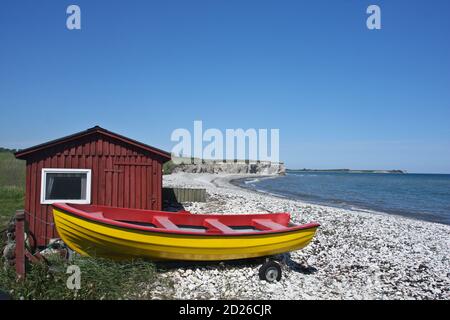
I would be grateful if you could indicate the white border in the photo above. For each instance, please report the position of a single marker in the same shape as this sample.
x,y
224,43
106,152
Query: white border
x,y
76,201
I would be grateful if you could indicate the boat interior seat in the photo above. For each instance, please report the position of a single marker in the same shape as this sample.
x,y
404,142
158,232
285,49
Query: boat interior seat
x,y
266,224
217,226
97,214
164,222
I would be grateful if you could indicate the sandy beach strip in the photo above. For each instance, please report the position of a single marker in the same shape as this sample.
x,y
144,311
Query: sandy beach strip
x,y
355,254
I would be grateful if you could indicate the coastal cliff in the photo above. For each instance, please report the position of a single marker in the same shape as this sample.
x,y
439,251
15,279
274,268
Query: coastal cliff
x,y
193,165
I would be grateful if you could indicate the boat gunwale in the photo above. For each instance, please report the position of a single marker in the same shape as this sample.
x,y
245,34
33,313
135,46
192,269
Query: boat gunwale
x,y
130,226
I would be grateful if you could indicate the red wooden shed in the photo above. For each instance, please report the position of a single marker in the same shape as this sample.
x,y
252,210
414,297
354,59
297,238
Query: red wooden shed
x,y
94,166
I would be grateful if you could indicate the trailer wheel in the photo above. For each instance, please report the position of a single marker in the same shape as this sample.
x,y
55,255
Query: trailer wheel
x,y
270,271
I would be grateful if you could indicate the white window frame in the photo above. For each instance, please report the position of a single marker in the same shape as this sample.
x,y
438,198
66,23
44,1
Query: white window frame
x,y
75,201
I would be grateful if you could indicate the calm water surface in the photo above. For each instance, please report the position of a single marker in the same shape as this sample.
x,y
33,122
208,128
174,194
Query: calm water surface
x,y
420,196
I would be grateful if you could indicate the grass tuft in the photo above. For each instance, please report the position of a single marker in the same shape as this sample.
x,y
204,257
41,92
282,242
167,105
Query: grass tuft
x,y
12,186
101,279
12,170
168,167
11,199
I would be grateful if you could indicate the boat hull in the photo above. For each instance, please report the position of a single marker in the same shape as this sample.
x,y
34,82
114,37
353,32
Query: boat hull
x,y
94,238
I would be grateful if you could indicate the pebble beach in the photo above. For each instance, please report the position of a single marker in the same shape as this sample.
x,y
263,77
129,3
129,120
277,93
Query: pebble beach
x,y
354,255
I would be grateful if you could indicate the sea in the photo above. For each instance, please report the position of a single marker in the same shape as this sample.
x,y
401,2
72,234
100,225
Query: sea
x,y
418,196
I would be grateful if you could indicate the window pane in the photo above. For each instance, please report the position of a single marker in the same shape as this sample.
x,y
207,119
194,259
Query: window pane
x,y
66,186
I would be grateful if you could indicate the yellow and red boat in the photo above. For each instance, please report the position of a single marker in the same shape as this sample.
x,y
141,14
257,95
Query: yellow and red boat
x,y
122,234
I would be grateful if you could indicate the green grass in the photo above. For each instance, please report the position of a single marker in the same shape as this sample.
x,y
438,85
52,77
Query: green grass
x,y
12,186
100,279
11,199
168,167
12,171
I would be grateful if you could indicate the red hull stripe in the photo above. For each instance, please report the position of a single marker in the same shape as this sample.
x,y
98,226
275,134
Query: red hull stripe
x,y
167,226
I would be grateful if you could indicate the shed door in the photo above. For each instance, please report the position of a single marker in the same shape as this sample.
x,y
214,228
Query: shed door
x,y
139,189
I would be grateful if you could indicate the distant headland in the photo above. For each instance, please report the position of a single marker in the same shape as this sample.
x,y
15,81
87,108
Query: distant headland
x,y
347,171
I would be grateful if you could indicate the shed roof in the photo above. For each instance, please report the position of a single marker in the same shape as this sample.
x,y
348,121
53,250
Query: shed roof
x,y
23,154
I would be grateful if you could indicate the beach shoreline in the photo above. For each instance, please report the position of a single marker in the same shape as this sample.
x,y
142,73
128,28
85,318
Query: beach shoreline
x,y
355,254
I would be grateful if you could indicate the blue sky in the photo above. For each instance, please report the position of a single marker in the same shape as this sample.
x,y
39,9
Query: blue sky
x,y
342,96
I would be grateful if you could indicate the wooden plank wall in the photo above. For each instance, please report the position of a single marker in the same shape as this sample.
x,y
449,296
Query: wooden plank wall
x,y
181,195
